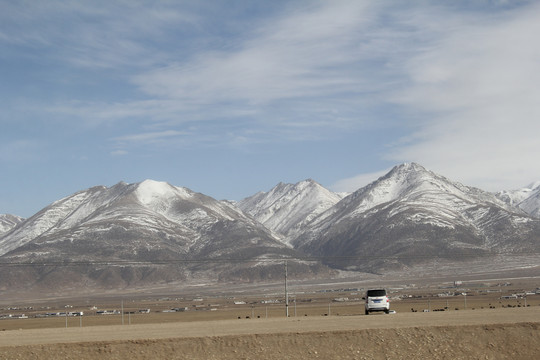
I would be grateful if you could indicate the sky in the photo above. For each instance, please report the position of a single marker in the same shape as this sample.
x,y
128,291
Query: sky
x,y
229,98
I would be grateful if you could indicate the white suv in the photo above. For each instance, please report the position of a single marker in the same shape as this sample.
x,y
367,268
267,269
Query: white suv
x,y
377,300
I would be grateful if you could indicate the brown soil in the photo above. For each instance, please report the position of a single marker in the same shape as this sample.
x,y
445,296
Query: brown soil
x,y
480,334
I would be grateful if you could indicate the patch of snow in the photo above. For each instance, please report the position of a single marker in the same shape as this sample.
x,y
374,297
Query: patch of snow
x,y
287,208
8,222
151,192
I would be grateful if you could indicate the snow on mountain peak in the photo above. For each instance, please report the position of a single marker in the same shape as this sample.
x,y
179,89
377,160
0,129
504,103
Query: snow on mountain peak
x,y
391,186
411,183
286,207
527,198
150,191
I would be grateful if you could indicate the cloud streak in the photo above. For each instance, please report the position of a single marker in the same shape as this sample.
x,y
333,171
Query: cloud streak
x,y
101,34
287,64
150,137
450,86
305,73
474,92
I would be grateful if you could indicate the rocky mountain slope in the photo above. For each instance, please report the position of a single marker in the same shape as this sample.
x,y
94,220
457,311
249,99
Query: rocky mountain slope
x,y
136,234
8,222
527,198
287,208
412,215
132,235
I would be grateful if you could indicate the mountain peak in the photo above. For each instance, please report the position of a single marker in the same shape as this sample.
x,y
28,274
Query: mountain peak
x,y
308,183
153,187
408,167
287,207
414,209
527,198
411,165
410,181
150,191
399,178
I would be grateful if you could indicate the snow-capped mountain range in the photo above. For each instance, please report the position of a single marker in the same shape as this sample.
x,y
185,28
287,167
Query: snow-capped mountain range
x,y
287,208
412,213
137,234
527,198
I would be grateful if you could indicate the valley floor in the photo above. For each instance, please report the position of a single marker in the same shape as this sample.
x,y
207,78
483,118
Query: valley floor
x,y
469,334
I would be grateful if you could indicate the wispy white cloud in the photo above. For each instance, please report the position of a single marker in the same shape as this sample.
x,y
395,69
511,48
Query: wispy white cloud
x,y
461,78
119,152
356,182
124,144
287,64
21,150
303,74
101,34
307,53
149,137
474,94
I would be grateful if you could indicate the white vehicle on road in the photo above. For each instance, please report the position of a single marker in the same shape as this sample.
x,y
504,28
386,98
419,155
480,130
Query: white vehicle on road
x,y
377,300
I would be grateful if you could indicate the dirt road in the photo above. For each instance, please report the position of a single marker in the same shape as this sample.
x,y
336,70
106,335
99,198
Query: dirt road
x,y
473,334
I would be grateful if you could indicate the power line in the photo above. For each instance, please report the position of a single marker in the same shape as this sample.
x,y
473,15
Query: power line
x,y
323,259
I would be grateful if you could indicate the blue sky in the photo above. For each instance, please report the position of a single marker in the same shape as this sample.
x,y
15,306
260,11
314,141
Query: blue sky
x,y
229,98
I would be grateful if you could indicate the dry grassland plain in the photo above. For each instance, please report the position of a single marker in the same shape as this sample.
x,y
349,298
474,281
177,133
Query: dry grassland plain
x,y
479,334
484,324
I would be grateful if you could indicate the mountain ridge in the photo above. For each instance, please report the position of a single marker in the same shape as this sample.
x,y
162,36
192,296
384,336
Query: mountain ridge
x,y
286,208
146,232
412,211
526,198
152,231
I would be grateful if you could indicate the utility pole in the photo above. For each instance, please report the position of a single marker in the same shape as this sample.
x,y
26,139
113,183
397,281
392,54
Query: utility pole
x,y
286,293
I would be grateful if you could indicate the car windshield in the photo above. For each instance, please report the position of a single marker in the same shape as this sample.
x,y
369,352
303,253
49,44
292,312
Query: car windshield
x,y
372,293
